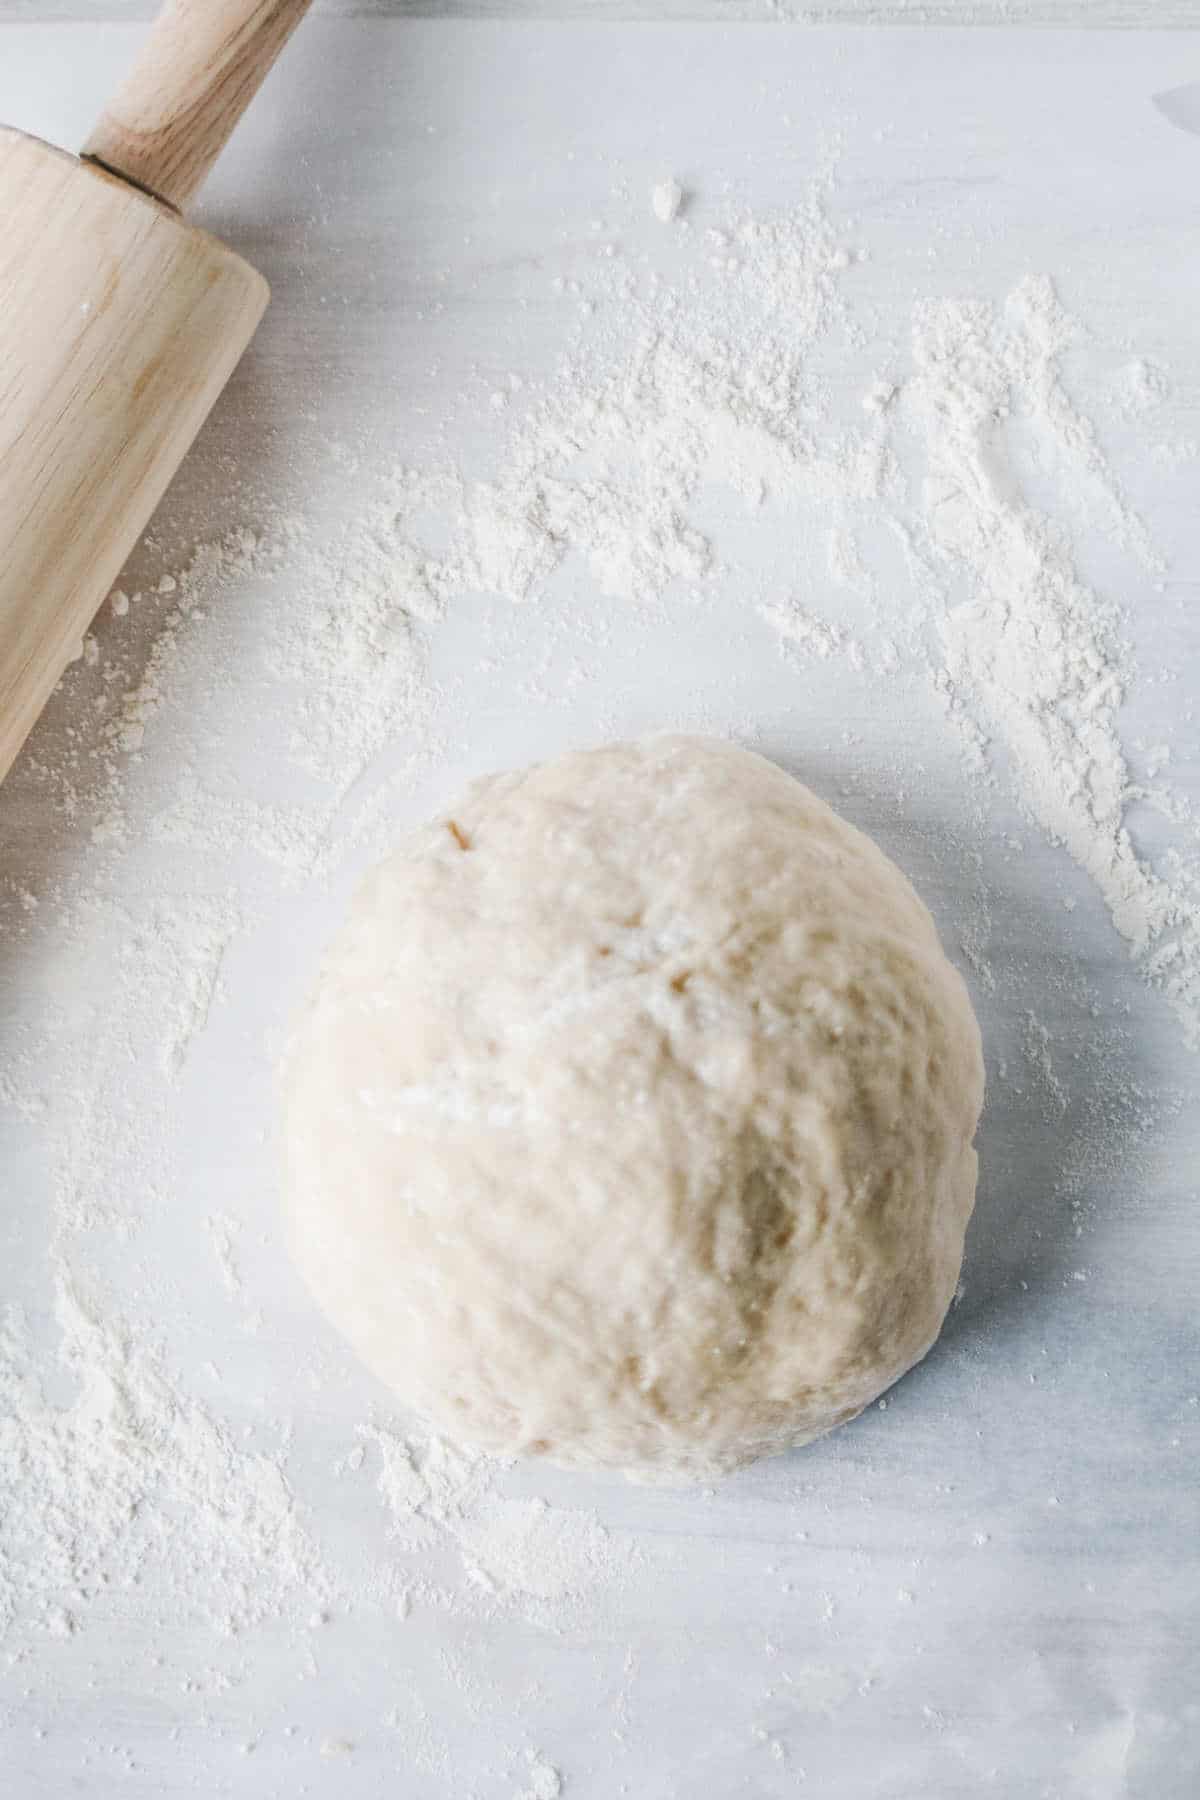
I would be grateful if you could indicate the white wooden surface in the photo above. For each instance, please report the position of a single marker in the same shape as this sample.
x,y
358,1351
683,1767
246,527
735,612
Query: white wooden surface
x,y
992,1587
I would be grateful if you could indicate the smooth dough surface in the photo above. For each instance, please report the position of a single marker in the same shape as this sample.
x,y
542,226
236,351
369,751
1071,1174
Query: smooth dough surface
x,y
630,1120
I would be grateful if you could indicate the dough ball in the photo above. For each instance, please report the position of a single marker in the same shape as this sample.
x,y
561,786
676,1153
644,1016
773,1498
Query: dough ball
x,y
630,1121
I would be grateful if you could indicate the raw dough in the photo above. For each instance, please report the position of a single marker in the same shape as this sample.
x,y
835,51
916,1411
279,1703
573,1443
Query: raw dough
x,y
630,1122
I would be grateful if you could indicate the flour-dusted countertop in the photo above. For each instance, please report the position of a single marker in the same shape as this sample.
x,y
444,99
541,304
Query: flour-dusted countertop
x,y
496,402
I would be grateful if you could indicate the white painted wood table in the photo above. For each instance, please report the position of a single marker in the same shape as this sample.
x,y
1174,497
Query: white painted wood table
x,y
989,1587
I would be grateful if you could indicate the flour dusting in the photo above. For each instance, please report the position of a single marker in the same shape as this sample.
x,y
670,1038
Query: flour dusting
x,y
1032,659
248,724
128,1473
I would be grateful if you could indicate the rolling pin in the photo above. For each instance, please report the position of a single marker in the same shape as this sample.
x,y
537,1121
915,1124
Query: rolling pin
x,y
119,326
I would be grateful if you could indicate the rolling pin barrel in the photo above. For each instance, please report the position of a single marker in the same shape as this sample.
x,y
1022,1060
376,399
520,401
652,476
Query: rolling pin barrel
x,y
119,326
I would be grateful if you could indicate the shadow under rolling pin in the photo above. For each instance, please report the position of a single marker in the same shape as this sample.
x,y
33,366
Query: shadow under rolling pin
x,y
119,326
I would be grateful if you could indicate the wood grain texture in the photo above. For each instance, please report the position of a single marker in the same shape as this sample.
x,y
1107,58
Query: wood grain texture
x,y
121,327
1085,14
201,66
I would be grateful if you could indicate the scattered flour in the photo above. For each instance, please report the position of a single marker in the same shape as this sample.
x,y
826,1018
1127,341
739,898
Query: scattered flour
x,y
668,392
1141,386
804,632
545,1561
666,198
1031,659
128,1472
543,1781
211,568
178,948
350,649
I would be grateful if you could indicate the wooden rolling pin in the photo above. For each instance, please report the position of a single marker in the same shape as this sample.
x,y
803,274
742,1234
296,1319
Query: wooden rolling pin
x,y
119,326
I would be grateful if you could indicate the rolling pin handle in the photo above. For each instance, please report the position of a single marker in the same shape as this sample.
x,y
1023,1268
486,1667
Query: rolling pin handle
x,y
198,70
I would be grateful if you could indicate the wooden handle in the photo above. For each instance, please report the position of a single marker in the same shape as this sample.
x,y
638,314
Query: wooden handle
x,y
199,69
